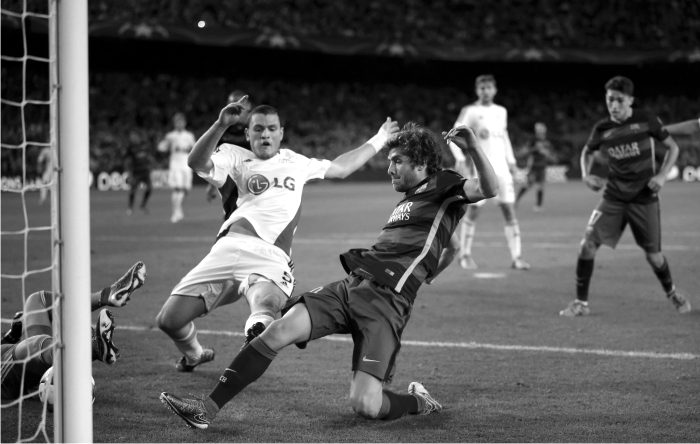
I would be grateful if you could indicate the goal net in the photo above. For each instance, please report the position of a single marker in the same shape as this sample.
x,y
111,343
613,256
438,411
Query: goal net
x,y
45,221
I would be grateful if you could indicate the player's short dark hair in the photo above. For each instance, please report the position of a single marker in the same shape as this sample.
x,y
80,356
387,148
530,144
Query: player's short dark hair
x,y
485,78
419,144
264,110
622,84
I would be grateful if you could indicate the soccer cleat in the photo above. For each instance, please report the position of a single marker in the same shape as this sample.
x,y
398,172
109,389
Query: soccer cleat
x,y
120,292
467,263
253,332
576,308
679,301
191,410
103,348
519,264
14,334
208,354
430,405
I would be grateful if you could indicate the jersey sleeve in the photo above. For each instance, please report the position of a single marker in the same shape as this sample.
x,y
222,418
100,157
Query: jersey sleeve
x,y
316,169
449,183
225,158
656,128
593,142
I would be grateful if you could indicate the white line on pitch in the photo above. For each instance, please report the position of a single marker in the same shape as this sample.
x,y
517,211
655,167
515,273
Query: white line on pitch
x,y
368,241
476,345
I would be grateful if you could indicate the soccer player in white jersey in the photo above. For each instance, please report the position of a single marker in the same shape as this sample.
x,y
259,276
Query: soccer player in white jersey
x,y
251,256
179,143
489,121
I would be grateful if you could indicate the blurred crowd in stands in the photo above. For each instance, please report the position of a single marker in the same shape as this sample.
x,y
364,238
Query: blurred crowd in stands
x,y
321,119
590,24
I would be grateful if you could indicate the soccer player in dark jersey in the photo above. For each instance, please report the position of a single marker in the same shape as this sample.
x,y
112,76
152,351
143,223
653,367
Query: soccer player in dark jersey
x,y
27,352
139,159
374,302
539,155
628,138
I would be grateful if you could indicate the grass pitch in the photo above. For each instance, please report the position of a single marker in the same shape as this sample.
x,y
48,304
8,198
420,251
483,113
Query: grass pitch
x,y
488,344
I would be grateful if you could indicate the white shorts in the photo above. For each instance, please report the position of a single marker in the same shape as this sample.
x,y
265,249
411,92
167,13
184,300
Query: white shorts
x,y
506,191
217,279
180,178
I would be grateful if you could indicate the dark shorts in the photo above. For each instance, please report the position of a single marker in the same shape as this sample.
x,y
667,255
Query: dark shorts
x,y
610,218
141,177
536,175
373,314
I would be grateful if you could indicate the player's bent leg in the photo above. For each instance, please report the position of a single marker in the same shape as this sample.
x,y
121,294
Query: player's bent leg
x,y
366,395
512,232
659,264
293,327
38,318
266,299
584,271
175,320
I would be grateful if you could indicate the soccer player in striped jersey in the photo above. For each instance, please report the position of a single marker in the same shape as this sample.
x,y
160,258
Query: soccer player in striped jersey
x,y
490,123
27,350
252,253
627,138
373,303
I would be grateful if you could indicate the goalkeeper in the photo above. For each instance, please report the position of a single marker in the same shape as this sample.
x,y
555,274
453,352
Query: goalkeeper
x,y
27,352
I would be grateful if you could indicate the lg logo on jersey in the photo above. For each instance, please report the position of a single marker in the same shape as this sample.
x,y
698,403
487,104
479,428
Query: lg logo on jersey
x,y
258,184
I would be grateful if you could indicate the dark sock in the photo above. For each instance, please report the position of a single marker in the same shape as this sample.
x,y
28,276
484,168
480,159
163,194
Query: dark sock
x,y
146,195
664,275
132,193
104,296
248,365
540,195
584,271
395,406
521,193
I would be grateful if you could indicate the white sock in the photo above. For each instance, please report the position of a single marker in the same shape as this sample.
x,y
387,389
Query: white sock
x,y
467,236
186,341
512,231
265,317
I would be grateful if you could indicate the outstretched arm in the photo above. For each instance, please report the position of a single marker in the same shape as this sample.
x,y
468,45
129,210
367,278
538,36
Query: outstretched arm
x,y
199,158
486,185
685,128
347,163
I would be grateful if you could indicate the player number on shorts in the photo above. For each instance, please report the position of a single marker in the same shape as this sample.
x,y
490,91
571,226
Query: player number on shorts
x,y
594,217
287,277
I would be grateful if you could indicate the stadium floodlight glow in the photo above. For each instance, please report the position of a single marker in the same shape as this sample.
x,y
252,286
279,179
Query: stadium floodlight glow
x,y
201,24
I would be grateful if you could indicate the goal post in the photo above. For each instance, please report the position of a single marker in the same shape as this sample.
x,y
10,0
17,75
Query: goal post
x,y
73,412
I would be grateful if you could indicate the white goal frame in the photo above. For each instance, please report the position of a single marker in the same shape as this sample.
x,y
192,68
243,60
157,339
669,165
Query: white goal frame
x,y
68,41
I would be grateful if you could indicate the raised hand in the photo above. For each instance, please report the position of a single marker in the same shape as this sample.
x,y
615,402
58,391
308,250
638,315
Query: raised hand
x,y
232,112
462,136
389,128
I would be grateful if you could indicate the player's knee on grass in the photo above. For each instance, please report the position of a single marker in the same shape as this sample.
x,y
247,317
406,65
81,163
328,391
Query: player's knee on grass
x,y
179,311
366,404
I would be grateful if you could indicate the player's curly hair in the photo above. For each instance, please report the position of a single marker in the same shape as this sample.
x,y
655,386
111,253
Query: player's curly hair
x,y
419,144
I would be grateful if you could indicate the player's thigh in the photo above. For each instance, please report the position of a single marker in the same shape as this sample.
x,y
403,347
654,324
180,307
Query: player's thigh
x,y
606,224
260,262
327,308
37,314
265,293
645,222
180,310
379,316
293,327
506,190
